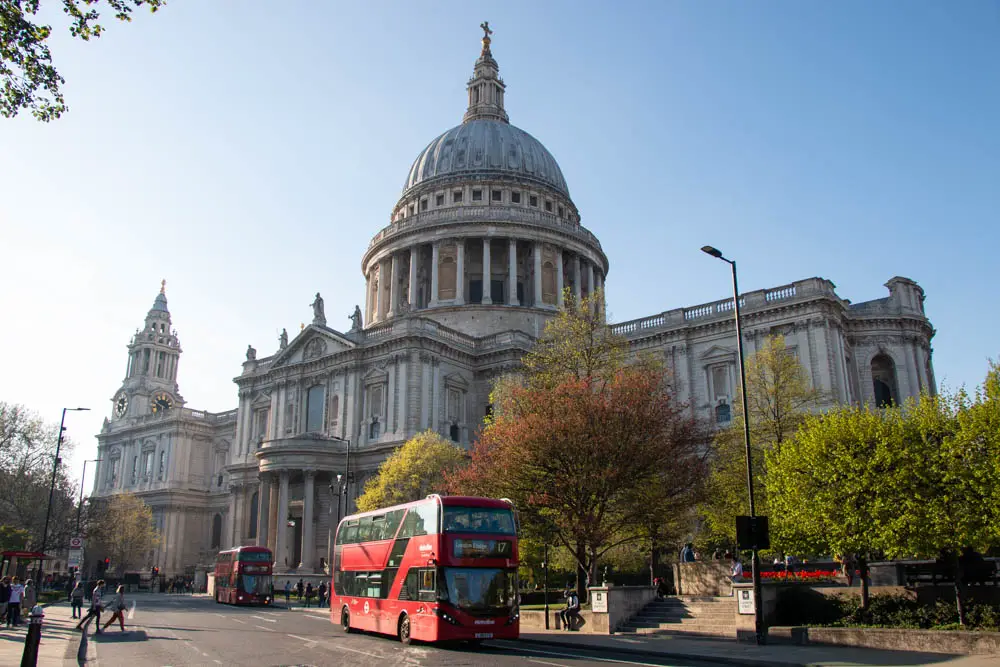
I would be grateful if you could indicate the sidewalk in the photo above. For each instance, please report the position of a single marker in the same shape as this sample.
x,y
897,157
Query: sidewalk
x,y
59,639
731,652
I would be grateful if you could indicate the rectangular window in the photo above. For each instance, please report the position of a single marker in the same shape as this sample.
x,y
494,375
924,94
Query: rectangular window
x,y
315,399
456,196
548,206
410,590
515,197
439,200
428,585
532,200
477,195
561,211
454,414
720,382
497,195
375,401
420,519
423,204
410,209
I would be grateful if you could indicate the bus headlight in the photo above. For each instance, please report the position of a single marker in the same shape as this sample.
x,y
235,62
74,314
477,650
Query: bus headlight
x,y
446,617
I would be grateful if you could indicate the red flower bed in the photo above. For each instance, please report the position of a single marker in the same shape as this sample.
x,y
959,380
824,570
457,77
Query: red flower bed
x,y
807,575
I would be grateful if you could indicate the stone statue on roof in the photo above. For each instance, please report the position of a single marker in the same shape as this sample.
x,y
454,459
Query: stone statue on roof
x,y
319,317
356,322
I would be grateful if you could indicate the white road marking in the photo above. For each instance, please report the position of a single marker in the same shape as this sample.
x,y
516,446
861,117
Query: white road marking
x,y
236,620
586,657
269,620
309,643
261,627
542,662
318,618
218,662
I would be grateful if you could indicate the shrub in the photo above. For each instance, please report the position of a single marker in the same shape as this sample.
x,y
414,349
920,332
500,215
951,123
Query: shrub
x,y
801,605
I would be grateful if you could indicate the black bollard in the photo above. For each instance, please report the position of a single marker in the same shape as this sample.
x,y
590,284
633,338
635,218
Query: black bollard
x,y
30,656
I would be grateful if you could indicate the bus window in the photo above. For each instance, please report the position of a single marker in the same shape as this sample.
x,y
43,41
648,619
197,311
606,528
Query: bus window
x,y
388,577
392,520
410,590
349,533
421,519
364,529
428,585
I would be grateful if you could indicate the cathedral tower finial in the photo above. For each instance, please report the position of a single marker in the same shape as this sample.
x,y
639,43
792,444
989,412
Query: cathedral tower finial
x,y
163,286
486,88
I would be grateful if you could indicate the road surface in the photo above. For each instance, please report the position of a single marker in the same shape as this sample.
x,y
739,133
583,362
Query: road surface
x,y
183,631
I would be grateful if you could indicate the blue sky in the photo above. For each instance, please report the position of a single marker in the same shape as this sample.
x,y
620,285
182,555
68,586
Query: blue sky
x,y
247,155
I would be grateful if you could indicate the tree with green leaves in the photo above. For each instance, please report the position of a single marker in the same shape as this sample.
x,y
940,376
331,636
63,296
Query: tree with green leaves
x,y
823,484
121,527
29,77
415,469
779,398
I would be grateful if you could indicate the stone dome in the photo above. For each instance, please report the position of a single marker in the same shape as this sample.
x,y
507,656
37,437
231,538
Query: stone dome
x,y
486,147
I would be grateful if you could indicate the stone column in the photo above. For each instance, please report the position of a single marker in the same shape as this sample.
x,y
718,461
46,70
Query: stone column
x,y
435,254
368,297
590,279
538,274
512,274
577,282
373,295
272,511
384,271
234,493
412,296
394,286
308,538
559,278
281,523
460,271
487,273
263,508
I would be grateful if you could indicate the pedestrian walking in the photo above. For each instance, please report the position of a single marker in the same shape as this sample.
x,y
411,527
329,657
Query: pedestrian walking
x,y
76,600
95,607
310,593
848,564
14,603
687,553
300,588
288,592
118,605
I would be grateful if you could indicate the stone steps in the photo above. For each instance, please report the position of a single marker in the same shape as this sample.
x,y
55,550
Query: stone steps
x,y
701,616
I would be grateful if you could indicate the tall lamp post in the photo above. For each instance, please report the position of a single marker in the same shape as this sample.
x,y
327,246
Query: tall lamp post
x,y
52,487
758,620
79,506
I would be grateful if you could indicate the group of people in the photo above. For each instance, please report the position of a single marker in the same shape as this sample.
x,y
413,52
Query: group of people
x,y
116,604
306,592
15,596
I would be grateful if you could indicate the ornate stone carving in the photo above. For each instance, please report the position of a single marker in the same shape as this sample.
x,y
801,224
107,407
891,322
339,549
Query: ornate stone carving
x,y
314,348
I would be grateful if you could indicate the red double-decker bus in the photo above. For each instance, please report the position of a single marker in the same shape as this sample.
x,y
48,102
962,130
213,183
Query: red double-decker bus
x,y
243,576
439,569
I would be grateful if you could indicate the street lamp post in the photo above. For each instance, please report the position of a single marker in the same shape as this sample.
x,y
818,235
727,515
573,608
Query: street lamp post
x,y
758,620
79,506
52,488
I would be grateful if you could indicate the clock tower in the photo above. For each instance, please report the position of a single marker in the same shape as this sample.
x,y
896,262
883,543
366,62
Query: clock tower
x,y
150,385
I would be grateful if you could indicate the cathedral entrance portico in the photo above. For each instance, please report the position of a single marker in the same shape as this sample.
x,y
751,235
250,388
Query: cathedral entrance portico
x,y
289,471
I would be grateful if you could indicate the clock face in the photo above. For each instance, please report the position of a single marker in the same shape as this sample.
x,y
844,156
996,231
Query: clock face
x,y
161,402
121,405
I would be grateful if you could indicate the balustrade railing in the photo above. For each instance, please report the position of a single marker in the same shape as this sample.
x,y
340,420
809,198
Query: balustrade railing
x,y
485,213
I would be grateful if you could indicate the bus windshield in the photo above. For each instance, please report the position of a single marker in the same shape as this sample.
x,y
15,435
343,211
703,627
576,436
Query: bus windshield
x,y
484,590
478,520
255,556
256,584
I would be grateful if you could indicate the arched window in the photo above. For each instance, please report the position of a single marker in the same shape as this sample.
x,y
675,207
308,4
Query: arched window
x,y
314,409
216,531
447,277
884,381
548,283
254,509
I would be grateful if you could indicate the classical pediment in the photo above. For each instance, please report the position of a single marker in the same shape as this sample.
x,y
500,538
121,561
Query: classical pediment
x,y
717,352
313,342
456,380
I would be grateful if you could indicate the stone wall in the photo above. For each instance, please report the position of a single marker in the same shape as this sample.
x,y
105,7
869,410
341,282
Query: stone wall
x,y
702,578
931,641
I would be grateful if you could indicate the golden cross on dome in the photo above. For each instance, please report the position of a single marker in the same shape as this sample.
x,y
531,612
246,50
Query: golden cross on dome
x,y
163,286
485,25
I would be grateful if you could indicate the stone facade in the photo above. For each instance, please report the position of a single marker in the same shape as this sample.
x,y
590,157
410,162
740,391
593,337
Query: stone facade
x,y
457,287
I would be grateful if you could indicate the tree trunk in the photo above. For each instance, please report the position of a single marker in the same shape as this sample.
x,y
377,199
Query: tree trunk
x,y
863,573
654,558
592,579
581,572
960,590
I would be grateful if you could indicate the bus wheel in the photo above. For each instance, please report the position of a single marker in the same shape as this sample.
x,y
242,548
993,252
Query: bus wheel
x,y
404,630
345,620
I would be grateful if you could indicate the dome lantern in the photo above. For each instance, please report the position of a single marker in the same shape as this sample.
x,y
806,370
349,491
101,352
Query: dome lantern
x,y
486,88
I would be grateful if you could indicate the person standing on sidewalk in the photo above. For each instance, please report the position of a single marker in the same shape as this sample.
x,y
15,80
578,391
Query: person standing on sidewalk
x,y
288,593
14,603
76,600
4,598
29,598
118,605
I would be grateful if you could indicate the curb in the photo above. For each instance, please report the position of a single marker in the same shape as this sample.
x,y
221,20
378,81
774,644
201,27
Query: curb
x,y
645,653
